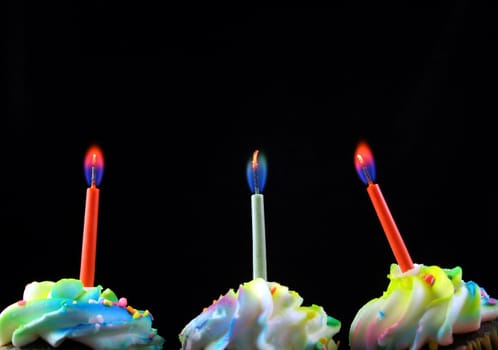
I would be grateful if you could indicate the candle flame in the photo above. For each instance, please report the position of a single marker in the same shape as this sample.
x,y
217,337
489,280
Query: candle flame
x,y
94,165
256,172
364,163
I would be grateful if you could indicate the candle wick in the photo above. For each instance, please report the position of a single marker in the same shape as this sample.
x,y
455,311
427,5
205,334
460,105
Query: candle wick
x,y
256,182
93,176
255,171
367,174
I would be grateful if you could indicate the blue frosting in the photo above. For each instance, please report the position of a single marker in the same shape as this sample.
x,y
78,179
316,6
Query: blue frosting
x,y
55,311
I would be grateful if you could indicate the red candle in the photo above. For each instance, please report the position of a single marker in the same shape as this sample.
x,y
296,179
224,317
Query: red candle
x,y
94,166
365,167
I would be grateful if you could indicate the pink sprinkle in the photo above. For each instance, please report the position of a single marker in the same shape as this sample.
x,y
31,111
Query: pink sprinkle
x,y
21,302
122,302
492,301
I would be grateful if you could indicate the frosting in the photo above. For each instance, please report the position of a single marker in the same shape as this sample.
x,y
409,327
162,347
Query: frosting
x,y
425,305
260,315
55,311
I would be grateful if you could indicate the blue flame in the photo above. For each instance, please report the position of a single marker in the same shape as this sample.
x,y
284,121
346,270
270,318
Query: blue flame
x,y
256,172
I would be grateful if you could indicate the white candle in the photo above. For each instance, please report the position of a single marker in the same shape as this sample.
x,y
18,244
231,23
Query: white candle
x,y
258,236
256,176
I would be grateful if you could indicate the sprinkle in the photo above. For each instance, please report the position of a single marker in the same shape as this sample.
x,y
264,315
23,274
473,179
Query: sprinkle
x,y
491,301
333,322
21,302
310,314
381,314
136,314
97,319
123,302
433,345
107,302
273,290
429,279
320,344
146,313
131,310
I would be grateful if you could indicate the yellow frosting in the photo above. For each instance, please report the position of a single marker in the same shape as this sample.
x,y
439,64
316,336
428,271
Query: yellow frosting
x,y
426,304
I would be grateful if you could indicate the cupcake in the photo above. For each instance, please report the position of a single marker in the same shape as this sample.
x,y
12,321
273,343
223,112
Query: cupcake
x,y
261,315
67,315
427,307
424,307
75,313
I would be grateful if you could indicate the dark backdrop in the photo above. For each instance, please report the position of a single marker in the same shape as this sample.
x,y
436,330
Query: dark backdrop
x,y
178,99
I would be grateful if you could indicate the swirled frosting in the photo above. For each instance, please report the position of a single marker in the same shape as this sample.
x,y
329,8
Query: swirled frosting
x,y
55,311
260,315
426,305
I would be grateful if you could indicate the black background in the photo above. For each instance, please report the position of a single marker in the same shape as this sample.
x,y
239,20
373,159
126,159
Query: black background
x,y
179,98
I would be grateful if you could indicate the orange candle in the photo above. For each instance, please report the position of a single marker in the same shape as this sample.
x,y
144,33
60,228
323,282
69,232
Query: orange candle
x,y
94,164
365,167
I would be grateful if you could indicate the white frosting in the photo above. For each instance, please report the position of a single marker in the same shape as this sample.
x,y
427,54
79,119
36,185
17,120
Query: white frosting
x,y
260,315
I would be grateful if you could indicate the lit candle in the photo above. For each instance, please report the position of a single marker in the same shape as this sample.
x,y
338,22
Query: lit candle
x,y
364,163
256,176
94,167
